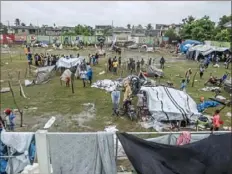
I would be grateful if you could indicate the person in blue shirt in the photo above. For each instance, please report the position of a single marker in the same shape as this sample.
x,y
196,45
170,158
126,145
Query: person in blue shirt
x,y
29,58
183,85
89,74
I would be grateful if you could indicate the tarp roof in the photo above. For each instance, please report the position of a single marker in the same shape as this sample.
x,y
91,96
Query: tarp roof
x,y
207,49
68,63
170,104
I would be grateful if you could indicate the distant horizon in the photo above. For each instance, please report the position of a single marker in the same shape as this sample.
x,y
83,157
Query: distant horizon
x,y
120,13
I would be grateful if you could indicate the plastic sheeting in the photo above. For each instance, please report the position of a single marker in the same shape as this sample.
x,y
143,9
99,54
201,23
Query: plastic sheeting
x,y
207,104
21,147
66,74
152,71
68,63
167,104
106,84
44,74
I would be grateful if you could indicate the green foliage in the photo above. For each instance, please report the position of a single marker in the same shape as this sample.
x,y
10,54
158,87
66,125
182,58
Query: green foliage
x,y
3,28
204,29
171,34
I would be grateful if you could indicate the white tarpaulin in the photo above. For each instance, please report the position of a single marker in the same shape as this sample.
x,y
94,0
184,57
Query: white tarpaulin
x,y
207,49
170,104
68,63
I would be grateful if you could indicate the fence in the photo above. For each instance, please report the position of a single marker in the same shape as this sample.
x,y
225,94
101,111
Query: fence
x,y
42,147
19,39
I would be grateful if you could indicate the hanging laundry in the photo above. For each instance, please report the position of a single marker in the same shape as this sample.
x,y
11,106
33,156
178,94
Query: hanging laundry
x,y
211,155
82,153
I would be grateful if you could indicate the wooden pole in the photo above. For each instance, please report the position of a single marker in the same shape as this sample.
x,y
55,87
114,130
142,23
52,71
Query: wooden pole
x,y
194,78
72,82
25,73
19,75
20,112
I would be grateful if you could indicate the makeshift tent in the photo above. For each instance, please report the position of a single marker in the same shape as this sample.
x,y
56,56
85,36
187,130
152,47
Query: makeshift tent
x,y
44,74
152,71
69,63
204,50
186,44
166,104
211,155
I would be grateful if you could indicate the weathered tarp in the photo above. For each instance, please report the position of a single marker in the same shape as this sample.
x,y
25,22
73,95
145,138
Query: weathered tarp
x,y
211,155
44,74
207,49
68,63
166,104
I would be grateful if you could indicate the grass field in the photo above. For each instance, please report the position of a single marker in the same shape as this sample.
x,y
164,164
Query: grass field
x,y
52,99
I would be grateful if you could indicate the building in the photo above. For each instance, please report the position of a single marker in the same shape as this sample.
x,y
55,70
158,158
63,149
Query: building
x,y
138,31
121,33
165,27
23,30
153,33
101,30
44,30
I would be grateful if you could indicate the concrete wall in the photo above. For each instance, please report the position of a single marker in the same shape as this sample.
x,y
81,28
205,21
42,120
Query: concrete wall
x,y
91,39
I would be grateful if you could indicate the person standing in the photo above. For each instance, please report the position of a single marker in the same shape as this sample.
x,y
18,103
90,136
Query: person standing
x,y
162,61
83,76
201,71
138,66
183,85
216,121
89,75
149,62
119,62
142,63
188,75
10,119
110,64
115,66
115,96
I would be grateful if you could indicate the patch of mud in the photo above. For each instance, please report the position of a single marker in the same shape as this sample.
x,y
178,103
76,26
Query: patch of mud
x,y
88,113
62,123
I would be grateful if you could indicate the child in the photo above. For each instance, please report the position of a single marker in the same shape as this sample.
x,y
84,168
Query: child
x,y
216,121
10,119
183,85
89,75
83,77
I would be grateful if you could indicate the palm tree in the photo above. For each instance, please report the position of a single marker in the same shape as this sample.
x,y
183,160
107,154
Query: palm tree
x,y
23,24
128,26
17,22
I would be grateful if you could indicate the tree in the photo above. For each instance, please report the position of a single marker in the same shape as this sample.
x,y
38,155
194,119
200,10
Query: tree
x,y
171,34
83,30
3,28
223,20
223,36
200,29
31,24
128,26
17,22
188,20
149,27
23,24
54,25
140,26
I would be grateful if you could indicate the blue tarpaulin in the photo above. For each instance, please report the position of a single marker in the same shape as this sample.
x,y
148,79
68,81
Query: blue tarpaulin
x,y
206,104
184,48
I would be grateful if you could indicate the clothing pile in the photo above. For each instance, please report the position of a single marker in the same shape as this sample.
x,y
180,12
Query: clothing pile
x,y
82,153
19,145
211,155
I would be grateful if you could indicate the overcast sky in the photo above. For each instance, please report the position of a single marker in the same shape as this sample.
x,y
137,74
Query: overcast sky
x,y
104,12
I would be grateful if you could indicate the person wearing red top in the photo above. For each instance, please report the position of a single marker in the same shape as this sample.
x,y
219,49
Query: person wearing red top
x,y
216,121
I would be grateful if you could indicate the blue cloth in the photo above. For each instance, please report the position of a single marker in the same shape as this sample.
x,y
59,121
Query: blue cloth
x,y
89,73
206,104
115,96
183,85
224,77
29,57
32,149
